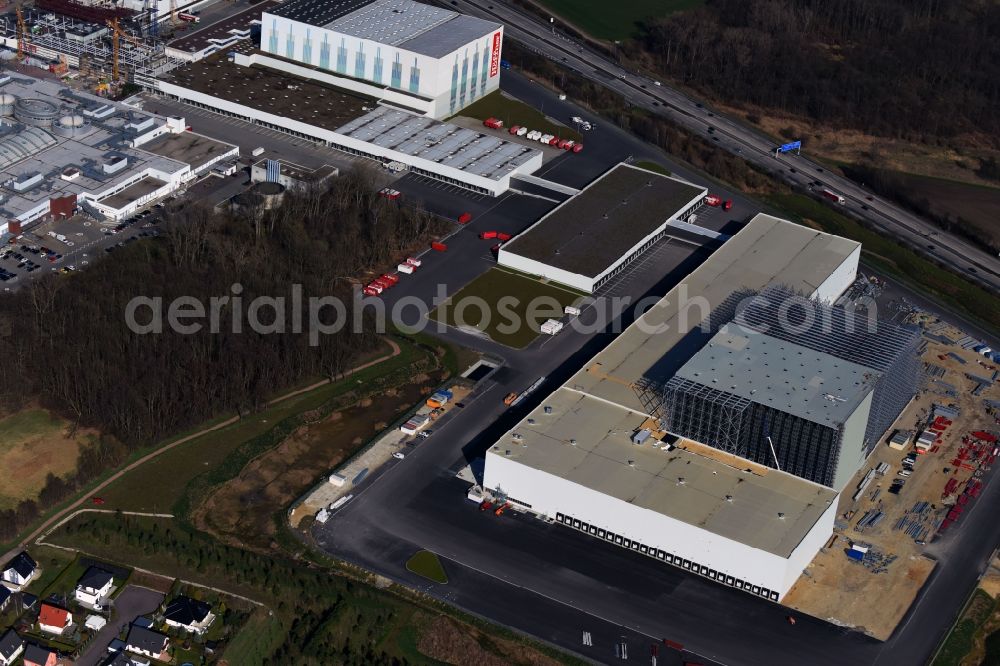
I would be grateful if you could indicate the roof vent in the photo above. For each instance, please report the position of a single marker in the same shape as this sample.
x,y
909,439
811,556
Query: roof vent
x,y
572,442
507,452
729,498
631,463
680,481
781,516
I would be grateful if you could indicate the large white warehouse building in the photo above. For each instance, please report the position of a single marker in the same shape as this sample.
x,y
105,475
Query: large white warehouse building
x,y
591,237
590,455
441,59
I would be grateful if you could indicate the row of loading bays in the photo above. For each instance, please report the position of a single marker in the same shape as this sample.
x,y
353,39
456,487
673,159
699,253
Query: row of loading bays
x,y
664,556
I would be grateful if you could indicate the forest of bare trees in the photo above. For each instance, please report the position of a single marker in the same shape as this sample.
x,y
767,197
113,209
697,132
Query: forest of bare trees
x,y
68,346
914,69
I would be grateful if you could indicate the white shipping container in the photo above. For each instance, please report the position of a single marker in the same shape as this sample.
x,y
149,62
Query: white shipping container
x,y
337,480
413,261
257,151
570,310
405,268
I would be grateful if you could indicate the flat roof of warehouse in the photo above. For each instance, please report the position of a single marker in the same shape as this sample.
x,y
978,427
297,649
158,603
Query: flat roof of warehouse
x,y
274,92
683,483
593,229
221,30
446,144
599,407
187,147
410,25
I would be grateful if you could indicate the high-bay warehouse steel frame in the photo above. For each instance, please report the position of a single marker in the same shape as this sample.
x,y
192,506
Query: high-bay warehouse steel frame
x,y
793,384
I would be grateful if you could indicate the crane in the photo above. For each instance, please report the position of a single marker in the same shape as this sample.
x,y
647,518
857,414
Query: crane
x,y
117,33
22,34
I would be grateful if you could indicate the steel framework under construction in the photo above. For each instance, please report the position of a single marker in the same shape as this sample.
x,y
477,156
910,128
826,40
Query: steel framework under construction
x,y
86,45
755,426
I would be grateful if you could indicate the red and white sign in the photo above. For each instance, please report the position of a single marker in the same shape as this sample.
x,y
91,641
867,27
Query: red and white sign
x,y
495,57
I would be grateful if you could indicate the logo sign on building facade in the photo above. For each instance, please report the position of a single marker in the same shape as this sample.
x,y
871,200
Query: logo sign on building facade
x,y
495,57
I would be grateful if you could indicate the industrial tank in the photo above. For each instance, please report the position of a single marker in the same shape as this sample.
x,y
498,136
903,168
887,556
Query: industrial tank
x,y
36,112
7,104
70,125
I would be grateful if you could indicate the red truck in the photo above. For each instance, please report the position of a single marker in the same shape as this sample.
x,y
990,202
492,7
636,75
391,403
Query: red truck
x,y
439,247
727,205
493,123
487,235
514,128
713,200
502,237
465,218
578,147
833,196
391,278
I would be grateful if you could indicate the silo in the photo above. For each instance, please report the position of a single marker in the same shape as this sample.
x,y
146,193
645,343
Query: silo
x,y
70,125
7,104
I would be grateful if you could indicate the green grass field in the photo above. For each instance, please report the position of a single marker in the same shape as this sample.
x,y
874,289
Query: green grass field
x,y
977,205
960,640
427,564
896,260
619,21
158,484
516,112
508,307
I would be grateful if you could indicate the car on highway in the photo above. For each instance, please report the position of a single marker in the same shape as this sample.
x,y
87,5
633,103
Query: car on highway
x,y
398,455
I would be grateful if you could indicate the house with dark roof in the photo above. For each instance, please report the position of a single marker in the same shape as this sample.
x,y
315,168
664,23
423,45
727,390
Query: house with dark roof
x,y
19,571
148,643
4,597
36,655
94,587
11,646
189,614
123,658
53,619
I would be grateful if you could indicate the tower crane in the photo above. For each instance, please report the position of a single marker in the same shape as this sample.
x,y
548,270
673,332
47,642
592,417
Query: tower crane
x,y
117,34
22,34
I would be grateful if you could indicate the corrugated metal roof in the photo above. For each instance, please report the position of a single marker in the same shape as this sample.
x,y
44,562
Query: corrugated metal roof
x,y
812,385
456,33
450,145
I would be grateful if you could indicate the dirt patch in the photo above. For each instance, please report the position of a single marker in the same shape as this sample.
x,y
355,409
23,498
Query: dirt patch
x,y
241,511
443,639
841,591
33,444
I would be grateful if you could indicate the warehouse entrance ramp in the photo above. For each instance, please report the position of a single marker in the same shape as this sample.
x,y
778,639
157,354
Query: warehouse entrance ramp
x,y
528,179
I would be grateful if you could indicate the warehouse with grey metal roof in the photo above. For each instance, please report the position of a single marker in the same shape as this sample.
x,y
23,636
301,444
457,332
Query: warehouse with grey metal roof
x,y
594,455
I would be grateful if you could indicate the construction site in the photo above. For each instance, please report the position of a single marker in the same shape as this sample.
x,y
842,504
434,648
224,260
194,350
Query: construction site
x,y
894,518
103,44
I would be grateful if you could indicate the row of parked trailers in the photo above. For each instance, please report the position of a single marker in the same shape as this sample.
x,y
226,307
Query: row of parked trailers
x,y
536,135
389,280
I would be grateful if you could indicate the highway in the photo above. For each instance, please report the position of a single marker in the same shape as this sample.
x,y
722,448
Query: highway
x,y
957,253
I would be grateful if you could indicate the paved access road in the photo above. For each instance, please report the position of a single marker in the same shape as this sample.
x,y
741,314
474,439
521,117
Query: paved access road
x,y
962,256
133,602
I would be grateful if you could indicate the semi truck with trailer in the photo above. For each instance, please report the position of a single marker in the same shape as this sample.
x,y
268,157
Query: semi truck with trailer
x,y
833,196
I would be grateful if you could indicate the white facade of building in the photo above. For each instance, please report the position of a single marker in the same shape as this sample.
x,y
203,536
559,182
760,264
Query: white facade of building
x,y
418,60
840,279
655,534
